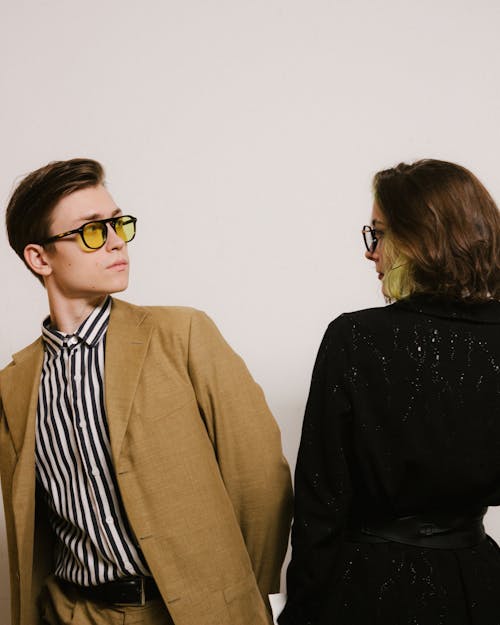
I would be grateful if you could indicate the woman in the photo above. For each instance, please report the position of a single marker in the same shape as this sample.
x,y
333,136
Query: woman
x,y
400,449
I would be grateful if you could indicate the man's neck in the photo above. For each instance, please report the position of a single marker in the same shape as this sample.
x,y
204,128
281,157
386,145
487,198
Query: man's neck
x,y
68,315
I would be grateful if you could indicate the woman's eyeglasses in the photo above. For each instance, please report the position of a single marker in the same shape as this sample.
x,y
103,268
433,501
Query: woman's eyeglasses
x,y
371,236
94,233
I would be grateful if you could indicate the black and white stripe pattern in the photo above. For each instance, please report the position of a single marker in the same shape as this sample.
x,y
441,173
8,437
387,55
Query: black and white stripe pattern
x,y
73,458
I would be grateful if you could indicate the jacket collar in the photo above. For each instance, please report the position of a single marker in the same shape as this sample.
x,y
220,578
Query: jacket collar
x,y
19,390
127,339
487,312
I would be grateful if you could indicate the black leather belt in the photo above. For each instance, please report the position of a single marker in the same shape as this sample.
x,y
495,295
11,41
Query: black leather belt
x,y
132,591
434,531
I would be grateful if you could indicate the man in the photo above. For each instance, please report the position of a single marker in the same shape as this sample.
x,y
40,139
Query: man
x,y
142,473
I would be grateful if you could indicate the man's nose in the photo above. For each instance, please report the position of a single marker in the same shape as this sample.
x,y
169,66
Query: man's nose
x,y
113,241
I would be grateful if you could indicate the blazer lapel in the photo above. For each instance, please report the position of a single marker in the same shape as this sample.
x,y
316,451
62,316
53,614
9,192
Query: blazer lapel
x,y
127,342
20,382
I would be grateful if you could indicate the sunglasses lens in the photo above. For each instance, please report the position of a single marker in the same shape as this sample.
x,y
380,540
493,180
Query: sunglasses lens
x,y
125,228
94,234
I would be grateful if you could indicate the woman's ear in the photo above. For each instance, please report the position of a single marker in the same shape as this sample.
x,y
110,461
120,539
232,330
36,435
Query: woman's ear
x,y
37,260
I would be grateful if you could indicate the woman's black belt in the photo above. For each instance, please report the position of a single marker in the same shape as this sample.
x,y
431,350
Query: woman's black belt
x,y
433,530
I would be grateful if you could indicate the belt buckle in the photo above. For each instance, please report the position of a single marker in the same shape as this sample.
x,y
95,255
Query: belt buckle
x,y
142,591
427,529
139,586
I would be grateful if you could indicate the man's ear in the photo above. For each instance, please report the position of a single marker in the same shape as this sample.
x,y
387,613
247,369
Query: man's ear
x,y
37,260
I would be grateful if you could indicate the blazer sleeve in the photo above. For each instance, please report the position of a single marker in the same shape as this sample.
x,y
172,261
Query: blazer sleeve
x,y
322,483
247,444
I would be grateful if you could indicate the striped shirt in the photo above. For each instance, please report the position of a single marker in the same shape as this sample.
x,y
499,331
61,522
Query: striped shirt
x,y
95,543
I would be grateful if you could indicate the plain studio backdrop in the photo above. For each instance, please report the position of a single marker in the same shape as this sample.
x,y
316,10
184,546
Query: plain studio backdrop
x,y
243,134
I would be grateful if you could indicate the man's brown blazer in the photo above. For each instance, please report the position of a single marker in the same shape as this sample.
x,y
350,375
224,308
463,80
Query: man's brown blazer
x,y
198,461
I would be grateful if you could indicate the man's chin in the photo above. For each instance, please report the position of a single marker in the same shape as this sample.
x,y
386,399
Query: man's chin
x,y
117,288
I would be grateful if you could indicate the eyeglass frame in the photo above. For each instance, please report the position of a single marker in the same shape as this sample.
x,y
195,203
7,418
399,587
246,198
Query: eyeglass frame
x,y
375,239
110,220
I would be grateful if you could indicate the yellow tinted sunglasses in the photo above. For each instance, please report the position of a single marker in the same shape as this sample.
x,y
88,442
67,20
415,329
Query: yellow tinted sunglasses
x,y
93,234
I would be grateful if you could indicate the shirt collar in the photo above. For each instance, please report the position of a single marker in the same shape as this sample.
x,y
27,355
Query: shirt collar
x,y
90,331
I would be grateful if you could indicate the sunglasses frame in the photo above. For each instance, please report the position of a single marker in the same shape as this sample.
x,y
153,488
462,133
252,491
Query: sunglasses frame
x,y
110,220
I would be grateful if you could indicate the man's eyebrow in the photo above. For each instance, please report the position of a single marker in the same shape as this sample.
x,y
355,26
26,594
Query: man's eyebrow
x,y
94,216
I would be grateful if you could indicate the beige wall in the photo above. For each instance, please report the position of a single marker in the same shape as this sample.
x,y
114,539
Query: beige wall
x,y
244,134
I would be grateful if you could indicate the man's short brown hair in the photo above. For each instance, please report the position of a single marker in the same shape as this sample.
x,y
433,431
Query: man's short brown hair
x,y
30,208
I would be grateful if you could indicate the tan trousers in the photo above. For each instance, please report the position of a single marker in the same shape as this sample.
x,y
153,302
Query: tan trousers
x,y
57,608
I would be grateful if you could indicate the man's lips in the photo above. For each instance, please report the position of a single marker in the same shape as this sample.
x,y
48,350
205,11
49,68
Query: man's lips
x,y
119,264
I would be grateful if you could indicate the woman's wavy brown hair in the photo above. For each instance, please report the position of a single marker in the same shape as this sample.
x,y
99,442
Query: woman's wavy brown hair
x,y
445,225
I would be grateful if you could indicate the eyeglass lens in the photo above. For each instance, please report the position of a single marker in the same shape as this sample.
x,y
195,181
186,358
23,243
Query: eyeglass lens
x,y
95,233
369,238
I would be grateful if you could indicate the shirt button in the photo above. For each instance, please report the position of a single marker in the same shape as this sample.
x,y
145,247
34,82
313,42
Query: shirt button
x,y
129,567
82,424
109,520
95,471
